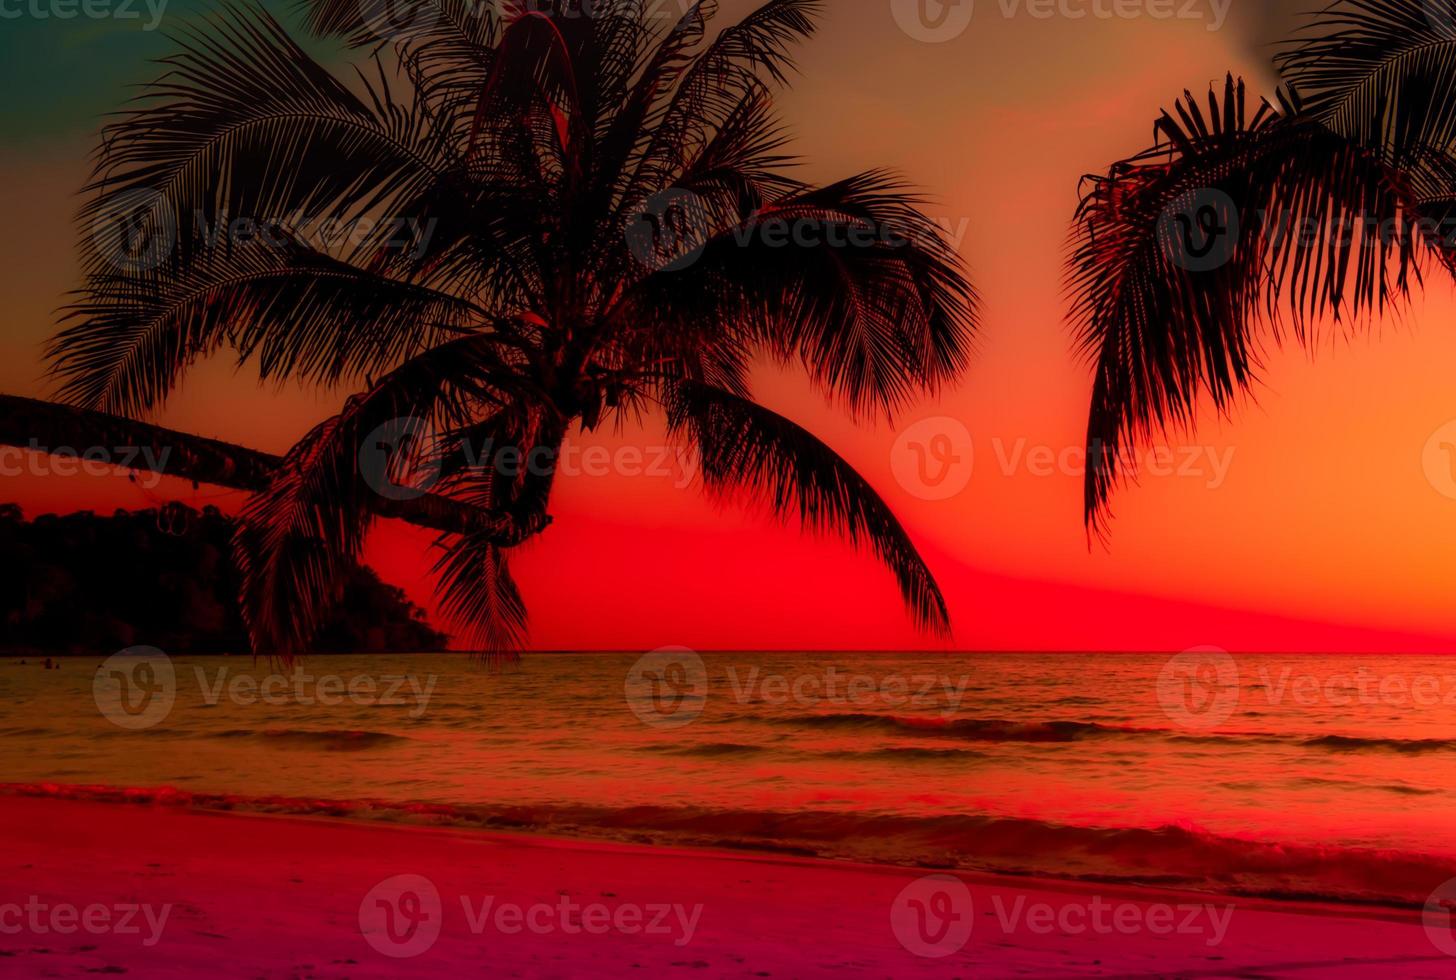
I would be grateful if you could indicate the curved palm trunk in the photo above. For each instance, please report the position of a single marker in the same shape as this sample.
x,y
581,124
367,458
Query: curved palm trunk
x,y
49,427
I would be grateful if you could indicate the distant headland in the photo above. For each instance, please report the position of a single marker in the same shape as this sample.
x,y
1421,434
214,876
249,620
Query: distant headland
x,y
84,583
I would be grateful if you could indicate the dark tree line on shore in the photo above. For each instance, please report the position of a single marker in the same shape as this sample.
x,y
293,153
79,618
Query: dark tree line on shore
x,y
90,584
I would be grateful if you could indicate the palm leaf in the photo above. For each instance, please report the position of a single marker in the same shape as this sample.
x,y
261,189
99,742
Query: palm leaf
x,y
245,125
744,447
521,153
852,280
1379,72
1315,226
302,314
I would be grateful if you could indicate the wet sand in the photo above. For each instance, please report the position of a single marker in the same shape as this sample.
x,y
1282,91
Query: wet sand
x,y
159,891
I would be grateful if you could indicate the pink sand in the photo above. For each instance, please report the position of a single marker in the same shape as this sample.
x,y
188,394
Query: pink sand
x,y
265,896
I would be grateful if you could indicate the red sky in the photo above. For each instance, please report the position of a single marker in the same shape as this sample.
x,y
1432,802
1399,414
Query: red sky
x,y
1324,532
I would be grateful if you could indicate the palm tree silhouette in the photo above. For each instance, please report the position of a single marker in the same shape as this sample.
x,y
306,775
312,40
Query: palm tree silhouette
x,y
516,220
1320,207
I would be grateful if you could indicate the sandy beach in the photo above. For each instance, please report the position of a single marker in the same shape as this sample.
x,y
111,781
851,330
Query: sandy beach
x,y
96,888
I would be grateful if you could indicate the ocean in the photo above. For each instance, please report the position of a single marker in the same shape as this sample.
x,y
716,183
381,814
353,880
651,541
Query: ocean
x,y
1316,777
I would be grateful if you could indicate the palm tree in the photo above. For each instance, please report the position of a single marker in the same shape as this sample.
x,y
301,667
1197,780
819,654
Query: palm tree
x,y
514,221
1237,228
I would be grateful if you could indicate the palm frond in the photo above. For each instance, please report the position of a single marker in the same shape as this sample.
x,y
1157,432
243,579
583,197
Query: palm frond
x,y
300,313
1379,72
500,160
477,592
296,537
628,127
852,280
246,125
745,447
711,88
1231,221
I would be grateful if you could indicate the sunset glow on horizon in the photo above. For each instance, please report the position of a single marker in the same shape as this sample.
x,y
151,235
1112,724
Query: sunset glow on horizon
x,y
811,488
1316,518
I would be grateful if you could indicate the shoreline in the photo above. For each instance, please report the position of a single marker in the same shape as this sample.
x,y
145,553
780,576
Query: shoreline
x,y
592,826
304,908
746,851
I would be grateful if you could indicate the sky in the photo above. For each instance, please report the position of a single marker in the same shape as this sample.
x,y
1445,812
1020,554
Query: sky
x,y
1320,516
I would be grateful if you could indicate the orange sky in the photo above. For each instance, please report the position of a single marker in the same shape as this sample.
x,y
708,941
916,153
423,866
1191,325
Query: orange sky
x,y
1324,532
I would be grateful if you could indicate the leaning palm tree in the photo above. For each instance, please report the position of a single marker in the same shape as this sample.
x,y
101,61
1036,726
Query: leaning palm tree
x,y
1238,228
520,218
